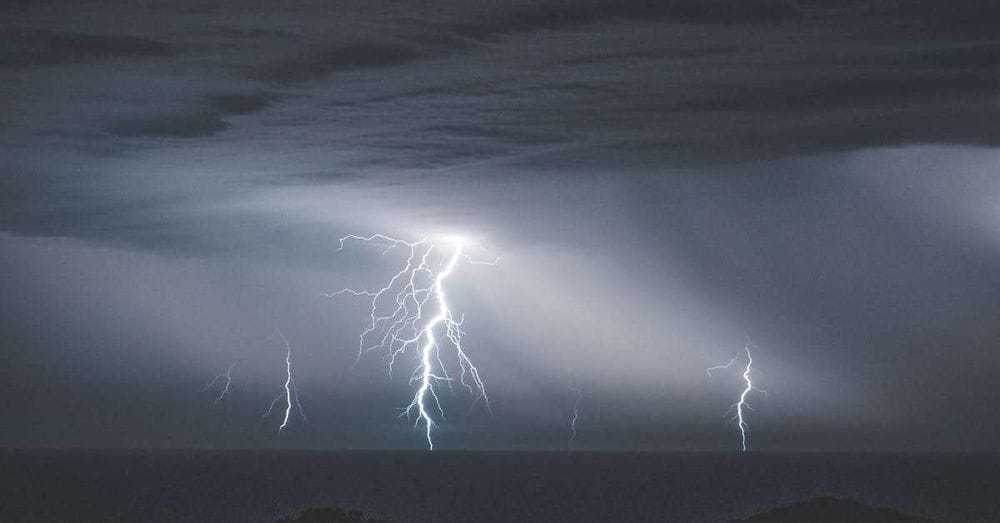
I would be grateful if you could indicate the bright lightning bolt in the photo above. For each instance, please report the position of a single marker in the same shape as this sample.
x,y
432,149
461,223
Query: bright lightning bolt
x,y
576,416
741,404
290,394
401,318
227,378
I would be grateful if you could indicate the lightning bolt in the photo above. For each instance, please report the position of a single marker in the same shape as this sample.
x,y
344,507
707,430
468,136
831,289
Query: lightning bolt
x,y
401,317
576,416
741,404
290,394
227,377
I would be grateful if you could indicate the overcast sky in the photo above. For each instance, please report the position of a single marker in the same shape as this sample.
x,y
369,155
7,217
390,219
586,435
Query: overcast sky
x,y
660,180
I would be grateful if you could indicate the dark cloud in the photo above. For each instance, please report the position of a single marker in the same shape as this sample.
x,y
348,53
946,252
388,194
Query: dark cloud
x,y
554,15
35,47
239,103
191,124
199,122
319,63
251,33
872,90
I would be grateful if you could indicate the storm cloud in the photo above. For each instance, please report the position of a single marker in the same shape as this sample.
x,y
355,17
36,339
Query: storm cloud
x,y
660,179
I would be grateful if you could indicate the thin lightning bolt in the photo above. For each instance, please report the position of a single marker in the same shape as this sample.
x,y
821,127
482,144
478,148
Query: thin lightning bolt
x,y
227,377
401,317
709,370
290,394
576,416
741,404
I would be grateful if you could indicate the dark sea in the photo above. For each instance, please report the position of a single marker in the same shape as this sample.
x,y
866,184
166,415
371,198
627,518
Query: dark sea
x,y
152,486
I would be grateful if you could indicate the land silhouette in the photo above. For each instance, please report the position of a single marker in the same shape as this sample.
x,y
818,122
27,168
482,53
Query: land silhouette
x,y
814,510
832,510
330,515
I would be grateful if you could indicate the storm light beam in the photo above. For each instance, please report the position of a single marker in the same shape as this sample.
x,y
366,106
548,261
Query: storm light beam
x,y
412,311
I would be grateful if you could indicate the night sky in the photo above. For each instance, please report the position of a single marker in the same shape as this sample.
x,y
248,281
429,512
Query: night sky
x,y
661,180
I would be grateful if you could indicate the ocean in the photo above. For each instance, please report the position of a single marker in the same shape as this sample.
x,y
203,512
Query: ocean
x,y
263,485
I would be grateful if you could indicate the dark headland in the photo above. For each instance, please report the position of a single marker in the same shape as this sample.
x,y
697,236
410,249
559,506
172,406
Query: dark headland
x,y
832,510
330,515
815,510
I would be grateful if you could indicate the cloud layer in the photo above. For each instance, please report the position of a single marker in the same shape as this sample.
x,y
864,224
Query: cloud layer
x,y
660,178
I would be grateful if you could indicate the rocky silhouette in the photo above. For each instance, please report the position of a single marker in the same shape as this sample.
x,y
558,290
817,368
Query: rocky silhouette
x,y
330,515
832,510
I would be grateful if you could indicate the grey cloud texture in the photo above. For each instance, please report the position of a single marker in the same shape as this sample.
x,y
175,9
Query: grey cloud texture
x,y
25,47
659,179
205,120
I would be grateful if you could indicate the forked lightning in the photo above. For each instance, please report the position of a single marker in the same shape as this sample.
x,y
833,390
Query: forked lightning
x,y
741,404
227,379
290,394
412,310
576,417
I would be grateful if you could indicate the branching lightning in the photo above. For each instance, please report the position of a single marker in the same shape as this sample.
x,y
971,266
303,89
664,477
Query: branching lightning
x,y
227,379
576,417
290,394
412,310
738,409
